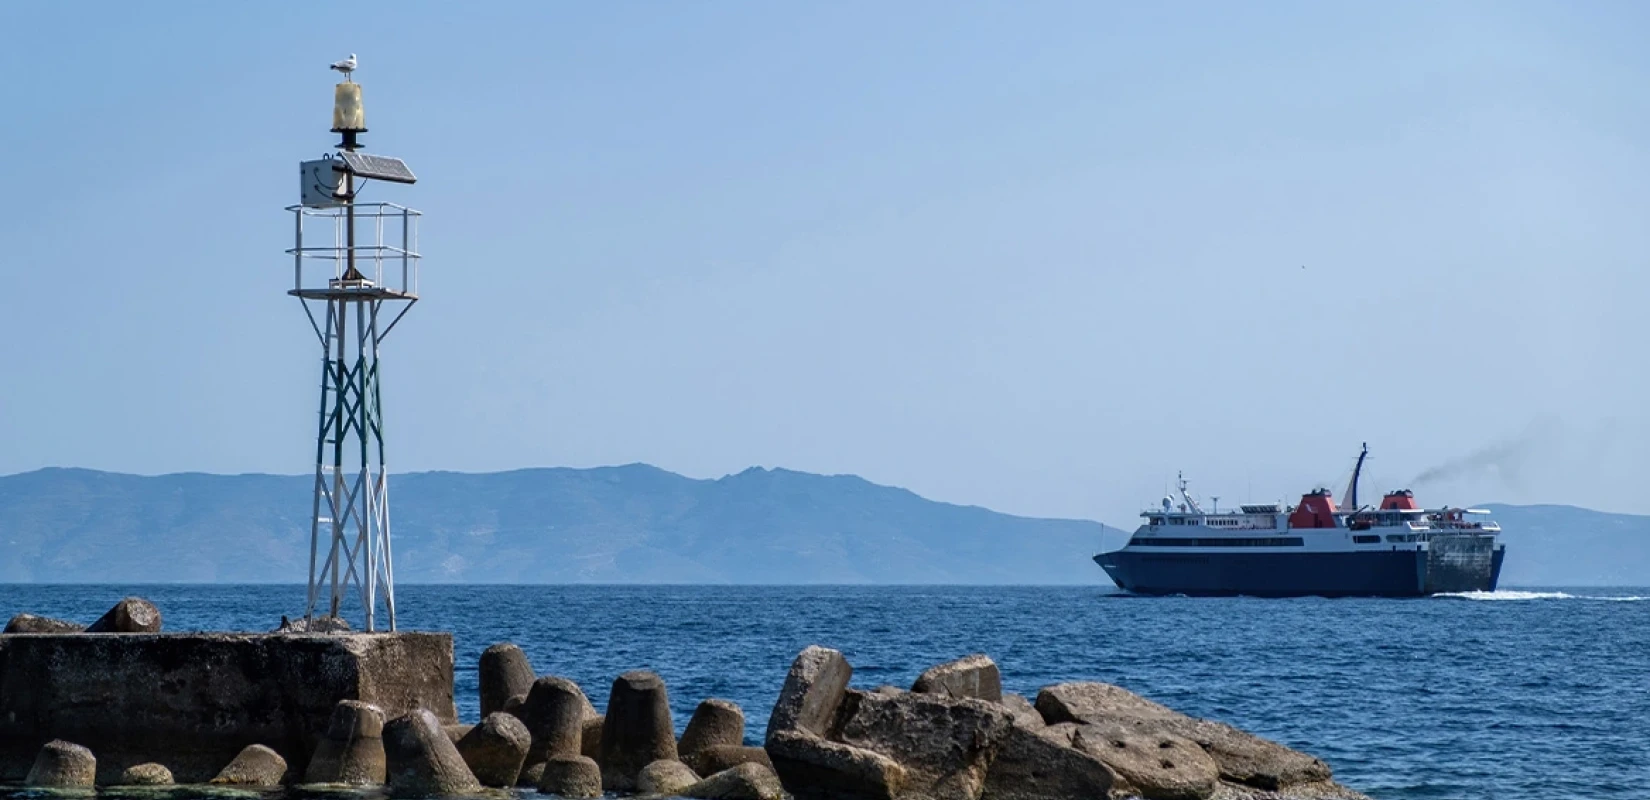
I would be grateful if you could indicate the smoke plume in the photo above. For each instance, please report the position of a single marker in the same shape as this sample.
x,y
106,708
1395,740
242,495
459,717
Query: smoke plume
x,y
1505,460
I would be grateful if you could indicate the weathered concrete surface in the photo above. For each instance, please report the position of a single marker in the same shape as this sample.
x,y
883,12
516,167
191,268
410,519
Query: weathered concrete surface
x,y
130,615
29,623
715,722
194,701
971,676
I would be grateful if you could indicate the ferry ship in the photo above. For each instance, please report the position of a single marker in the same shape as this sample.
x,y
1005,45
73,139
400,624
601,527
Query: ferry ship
x,y
1315,548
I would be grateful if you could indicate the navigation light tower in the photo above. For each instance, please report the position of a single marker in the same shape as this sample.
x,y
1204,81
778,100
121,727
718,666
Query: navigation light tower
x,y
355,270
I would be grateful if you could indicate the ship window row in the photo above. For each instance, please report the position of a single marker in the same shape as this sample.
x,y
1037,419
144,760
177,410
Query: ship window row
x,y
1186,541
1366,540
1396,538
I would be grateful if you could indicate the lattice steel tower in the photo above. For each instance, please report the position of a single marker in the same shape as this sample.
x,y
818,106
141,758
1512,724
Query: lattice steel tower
x,y
355,270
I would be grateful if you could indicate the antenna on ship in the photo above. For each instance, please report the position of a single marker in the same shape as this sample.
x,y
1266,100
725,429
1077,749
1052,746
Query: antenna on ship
x,y
1349,500
356,275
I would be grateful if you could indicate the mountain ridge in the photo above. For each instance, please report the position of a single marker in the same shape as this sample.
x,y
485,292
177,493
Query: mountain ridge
x,y
636,523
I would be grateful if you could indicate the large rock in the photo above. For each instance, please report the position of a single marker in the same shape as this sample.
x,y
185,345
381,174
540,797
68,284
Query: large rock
x,y
495,749
714,759
323,624
457,731
504,672
665,778
193,701
63,765
971,676
944,743
637,731
572,777
131,615
1157,766
744,782
1024,712
29,623
715,722
812,693
1032,763
148,774
352,752
1241,757
554,712
813,768
256,766
422,761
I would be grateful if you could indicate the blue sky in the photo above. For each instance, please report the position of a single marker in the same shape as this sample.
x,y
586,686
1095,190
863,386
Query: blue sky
x,y
1030,256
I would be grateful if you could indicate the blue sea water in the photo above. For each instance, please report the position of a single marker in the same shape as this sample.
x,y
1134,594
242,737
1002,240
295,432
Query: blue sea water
x,y
1514,694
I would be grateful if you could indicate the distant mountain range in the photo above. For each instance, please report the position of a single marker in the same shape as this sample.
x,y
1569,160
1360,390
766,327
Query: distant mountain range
x,y
635,524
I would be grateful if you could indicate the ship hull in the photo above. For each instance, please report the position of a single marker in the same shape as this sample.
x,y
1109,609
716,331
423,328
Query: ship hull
x,y
1449,564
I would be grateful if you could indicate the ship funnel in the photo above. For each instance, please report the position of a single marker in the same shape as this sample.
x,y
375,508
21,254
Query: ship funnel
x,y
1399,500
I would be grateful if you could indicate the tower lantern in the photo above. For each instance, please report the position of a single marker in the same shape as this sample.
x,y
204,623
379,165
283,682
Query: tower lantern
x,y
355,271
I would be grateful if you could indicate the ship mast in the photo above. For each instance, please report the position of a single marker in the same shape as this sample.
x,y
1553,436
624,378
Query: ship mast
x,y
1349,500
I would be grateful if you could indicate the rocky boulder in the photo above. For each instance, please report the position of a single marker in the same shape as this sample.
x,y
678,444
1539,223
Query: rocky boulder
x,y
637,730
352,751
665,778
63,765
326,624
1033,763
131,615
1241,757
1153,766
812,693
496,749
29,623
945,744
715,758
813,768
257,766
973,676
744,782
422,761
150,774
571,777
715,722
504,672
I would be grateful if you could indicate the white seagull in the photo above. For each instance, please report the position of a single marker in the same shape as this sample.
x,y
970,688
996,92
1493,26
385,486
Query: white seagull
x,y
346,66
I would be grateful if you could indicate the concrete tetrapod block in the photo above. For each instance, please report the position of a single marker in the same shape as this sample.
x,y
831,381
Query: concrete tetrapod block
x,y
256,765
150,774
714,759
63,765
572,777
131,615
590,744
637,731
744,782
665,778
29,623
495,750
554,713
714,722
194,701
503,673
1156,766
422,761
352,752
971,676
812,693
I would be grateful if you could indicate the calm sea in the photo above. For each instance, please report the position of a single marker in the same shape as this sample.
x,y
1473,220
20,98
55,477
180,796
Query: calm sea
x,y
1516,694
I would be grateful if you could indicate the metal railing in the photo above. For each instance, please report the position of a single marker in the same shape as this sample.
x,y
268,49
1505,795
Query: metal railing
x,y
380,240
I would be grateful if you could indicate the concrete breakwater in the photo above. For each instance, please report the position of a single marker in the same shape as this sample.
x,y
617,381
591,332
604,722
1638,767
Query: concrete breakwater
x,y
267,710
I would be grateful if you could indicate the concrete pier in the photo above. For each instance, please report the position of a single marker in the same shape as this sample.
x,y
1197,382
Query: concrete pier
x,y
193,701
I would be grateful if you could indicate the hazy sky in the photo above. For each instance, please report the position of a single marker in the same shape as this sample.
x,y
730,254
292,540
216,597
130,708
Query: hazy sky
x,y
1030,256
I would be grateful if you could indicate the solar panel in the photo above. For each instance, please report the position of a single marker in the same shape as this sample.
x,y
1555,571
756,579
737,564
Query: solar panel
x,y
383,168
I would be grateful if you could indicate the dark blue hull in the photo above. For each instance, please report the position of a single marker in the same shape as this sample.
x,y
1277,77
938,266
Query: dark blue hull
x,y
1469,564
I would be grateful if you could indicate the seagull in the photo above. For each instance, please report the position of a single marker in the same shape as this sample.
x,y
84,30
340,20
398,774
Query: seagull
x,y
346,66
